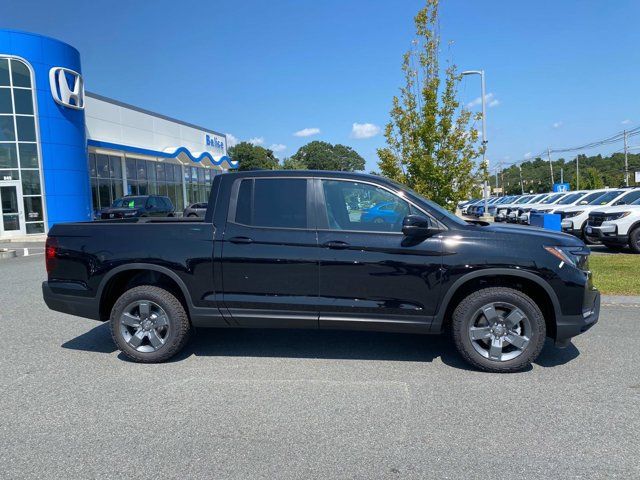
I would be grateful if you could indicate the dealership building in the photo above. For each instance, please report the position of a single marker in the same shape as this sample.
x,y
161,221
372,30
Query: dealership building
x,y
64,153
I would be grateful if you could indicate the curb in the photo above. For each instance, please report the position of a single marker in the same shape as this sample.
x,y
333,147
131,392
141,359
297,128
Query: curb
x,y
6,253
620,300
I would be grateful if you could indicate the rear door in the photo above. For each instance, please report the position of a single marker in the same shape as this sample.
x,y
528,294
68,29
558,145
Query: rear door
x,y
270,253
370,273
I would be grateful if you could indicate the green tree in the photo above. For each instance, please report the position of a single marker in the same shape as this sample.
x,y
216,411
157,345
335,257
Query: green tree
x,y
319,155
290,163
252,157
591,179
431,142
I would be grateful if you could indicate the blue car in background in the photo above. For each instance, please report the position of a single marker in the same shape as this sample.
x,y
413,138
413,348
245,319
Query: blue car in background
x,y
381,213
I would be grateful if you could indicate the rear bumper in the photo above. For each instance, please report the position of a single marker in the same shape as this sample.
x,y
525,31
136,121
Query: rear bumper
x,y
87,307
568,326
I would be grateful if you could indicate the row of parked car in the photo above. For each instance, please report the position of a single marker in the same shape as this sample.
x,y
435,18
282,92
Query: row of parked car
x,y
133,206
608,216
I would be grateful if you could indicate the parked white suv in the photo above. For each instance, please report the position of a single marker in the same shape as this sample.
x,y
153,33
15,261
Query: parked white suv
x,y
574,219
616,227
547,202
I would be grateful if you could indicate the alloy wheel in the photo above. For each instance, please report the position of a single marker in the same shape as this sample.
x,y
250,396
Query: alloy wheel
x,y
500,331
144,325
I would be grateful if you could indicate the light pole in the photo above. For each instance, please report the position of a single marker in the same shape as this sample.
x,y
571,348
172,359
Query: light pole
x,y
485,162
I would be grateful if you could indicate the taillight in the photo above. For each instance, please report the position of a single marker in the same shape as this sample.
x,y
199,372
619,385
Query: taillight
x,y
50,250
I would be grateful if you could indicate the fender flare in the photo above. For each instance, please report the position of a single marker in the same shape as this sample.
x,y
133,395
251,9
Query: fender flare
x,y
146,266
492,272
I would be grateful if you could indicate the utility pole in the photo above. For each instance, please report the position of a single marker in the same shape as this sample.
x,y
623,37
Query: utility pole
x,y
577,172
626,161
561,175
521,184
550,166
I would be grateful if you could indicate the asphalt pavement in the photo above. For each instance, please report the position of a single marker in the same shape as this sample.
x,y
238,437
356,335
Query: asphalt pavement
x,y
306,404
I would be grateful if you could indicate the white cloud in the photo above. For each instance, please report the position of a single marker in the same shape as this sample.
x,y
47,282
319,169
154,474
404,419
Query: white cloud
x,y
489,98
256,140
557,125
364,130
232,140
625,122
278,147
528,155
307,132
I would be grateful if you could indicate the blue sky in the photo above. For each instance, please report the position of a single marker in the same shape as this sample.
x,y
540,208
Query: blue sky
x,y
560,73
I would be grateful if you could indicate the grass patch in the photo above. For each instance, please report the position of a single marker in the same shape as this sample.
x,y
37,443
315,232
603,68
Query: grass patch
x,y
616,274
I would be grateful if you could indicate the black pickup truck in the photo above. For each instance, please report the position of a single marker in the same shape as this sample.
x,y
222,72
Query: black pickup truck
x,y
323,250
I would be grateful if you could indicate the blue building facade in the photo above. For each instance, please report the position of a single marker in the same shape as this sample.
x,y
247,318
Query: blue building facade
x,y
64,154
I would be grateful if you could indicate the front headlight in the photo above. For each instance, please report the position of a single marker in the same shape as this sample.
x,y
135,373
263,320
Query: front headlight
x,y
573,214
574,256
616,216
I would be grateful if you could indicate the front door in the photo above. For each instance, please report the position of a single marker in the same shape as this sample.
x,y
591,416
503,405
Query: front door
x,y
370,273
269,254
12,220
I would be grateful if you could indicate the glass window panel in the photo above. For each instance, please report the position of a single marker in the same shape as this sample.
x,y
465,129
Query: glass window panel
x,y
130,165
177,173
153,188
116,190
151,171
7,132
26,129
102,166
104,192
160,172
35,227
162,189
243,206
201,175
116,166
24,101
20,74
33,209
280,203
143,188
9,175
132,188
8,156
5,100
30,182
92,164
4,72
94,194
141,169
28,155
207,175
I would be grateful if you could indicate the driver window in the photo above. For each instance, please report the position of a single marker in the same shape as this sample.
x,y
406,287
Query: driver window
x,y
363,207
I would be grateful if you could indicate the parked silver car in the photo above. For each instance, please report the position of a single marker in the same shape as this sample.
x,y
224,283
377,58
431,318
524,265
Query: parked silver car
x,y
195,210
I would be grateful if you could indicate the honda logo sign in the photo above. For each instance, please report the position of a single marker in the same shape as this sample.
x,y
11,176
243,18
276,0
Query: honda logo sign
x,y
67,87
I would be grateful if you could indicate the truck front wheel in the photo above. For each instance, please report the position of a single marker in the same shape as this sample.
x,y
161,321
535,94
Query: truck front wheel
x,y
634,240
498,329
149,324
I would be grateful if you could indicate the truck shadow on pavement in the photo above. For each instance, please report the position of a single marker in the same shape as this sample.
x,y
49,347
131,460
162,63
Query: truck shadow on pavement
x,y
326,344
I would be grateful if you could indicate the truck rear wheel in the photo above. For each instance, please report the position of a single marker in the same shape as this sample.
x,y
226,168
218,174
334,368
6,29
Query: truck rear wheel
x,y
498,329
634,240
149,324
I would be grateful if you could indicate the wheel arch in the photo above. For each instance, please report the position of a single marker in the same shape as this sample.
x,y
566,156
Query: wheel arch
x,y
532,285
134,274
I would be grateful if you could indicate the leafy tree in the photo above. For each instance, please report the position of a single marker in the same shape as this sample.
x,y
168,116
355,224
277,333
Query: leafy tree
x,y
591,179
430,142
319,155
252,157
290,163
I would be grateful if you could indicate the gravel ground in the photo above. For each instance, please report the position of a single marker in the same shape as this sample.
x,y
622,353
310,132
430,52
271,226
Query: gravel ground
x,y
306,404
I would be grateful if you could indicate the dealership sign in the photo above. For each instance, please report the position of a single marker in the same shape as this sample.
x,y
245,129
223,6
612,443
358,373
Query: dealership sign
x,y
67,87
561,187
214,142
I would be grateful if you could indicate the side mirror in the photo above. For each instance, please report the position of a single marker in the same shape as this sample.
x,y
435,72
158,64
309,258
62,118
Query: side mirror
x,y
417,226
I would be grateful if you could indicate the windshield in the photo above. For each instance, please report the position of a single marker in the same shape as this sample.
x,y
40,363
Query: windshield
x,y
570,198
552,198
523,199
130,202
606,197
589,198
636,202
537,198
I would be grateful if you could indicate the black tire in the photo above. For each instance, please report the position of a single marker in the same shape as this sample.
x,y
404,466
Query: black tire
x,y
634,240
464,315
586,239
179,326
192,215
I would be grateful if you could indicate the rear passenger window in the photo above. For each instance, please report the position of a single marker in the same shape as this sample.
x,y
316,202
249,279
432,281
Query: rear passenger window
x,y
277,203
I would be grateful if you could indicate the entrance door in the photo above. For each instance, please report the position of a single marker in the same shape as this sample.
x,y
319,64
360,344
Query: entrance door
x,y
12,219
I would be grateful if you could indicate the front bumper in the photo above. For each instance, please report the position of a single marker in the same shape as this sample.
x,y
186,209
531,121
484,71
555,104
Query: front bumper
x,y
61,299
567,227
607,233
568,326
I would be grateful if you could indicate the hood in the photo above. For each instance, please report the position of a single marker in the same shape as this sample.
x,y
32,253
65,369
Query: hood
x,y
581,208
616,209
547,237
